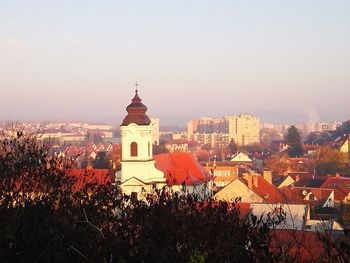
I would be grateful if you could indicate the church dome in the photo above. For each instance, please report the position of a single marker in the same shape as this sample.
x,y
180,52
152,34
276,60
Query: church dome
x,y
136,112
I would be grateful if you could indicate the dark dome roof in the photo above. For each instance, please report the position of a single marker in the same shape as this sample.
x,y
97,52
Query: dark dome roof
x,y
136,112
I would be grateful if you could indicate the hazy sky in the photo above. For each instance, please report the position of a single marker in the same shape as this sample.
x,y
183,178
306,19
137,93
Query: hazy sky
x,y
282,60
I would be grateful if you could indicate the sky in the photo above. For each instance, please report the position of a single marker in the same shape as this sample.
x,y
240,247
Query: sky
x,y
284,61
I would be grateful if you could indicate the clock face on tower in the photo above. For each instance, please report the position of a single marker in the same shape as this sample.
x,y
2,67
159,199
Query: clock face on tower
x,y
133,128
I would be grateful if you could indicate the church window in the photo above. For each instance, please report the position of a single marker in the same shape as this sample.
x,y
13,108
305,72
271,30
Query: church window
x,y
133,149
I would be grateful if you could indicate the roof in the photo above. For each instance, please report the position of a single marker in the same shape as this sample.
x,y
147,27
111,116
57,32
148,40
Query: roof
x,y
308,147
339,182
294,175
307,244
266,190
279,180
321,194
136,112
309,182
223,168
181,168
340,140
224,178
297,195
291,195
90,176
339,195
241,157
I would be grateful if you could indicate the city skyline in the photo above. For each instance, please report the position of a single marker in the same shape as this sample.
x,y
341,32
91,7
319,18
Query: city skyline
x,y
283,62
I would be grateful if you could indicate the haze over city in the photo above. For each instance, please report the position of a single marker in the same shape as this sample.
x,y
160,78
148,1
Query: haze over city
x,y
285,61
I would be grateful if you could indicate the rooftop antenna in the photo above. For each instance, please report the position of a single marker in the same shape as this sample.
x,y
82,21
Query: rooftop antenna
x,y
136,87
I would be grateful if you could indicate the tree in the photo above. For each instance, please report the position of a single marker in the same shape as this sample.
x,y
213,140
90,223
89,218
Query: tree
x,y
45,218
293,140
46,215
278,164
93,137
232,147
159,149
329,161
101,161
206,147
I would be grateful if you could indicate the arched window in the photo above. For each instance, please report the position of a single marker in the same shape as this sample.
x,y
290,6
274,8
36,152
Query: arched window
x,y
149,149
133,149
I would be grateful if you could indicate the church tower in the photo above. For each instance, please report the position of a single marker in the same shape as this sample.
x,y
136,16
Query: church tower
x,y
137,164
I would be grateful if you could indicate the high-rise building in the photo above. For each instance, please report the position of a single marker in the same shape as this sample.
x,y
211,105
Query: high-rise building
x,y
244,129
326,126
155,130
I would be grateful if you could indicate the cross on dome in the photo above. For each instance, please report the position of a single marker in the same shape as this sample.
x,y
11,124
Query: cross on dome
x,y
136,87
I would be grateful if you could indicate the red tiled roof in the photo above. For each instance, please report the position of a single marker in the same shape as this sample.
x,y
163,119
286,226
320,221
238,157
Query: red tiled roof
x,y
339,195
266,190
180,168
321,194
298,194
307,243
333,182
291,195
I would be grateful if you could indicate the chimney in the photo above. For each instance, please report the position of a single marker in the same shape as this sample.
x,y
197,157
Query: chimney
x,y
268,176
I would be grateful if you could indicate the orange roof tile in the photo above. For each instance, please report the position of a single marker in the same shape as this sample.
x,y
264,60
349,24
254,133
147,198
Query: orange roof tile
x,y
340,182
267,191
291,195
181,168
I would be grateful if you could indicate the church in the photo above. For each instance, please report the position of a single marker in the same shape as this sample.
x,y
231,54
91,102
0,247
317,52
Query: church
x,y
141,171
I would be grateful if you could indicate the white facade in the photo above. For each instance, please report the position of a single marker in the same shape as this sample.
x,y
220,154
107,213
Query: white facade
x,y
137,160
241,157
294,214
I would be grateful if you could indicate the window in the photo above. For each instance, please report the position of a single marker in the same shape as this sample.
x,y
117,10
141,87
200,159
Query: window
x,y
149,149
133,149
311,197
